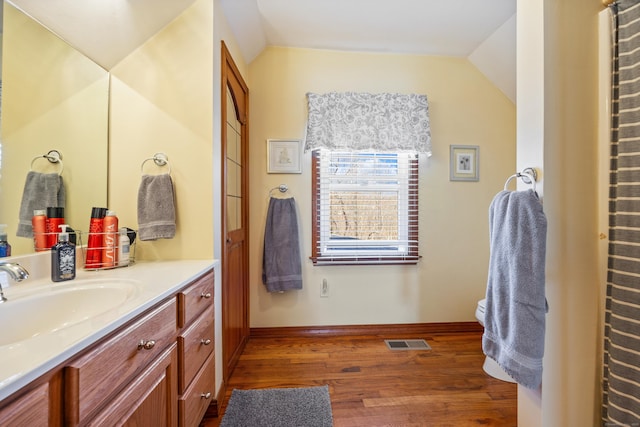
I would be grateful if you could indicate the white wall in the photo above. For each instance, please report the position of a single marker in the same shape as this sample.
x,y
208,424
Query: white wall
x,y
530,104
557,119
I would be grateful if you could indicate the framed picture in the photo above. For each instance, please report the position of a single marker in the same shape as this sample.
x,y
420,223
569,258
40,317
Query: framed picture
x,y
464,163
284,156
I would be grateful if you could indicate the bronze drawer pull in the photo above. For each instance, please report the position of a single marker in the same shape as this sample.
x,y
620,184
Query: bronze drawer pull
x,y
205,342
205,395
147,345
206,295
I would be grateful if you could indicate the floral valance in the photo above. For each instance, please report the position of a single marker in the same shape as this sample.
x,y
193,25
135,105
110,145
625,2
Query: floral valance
x,y
368,122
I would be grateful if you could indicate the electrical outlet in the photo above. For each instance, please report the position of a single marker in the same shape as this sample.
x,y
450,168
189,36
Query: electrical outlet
x,y
324,291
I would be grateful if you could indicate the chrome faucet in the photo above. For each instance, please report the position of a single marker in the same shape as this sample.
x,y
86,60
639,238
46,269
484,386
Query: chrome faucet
x,y
16,272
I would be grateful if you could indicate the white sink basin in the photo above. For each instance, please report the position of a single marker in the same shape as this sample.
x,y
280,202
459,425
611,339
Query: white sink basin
x,y
60,306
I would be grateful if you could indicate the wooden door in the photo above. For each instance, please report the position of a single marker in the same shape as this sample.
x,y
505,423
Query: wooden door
x,y
235,207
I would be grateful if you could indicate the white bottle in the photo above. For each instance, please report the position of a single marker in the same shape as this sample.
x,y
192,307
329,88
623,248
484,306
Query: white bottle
x,y
123,247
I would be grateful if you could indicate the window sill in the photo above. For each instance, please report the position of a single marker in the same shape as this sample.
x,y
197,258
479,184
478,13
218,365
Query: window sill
x,y
329,261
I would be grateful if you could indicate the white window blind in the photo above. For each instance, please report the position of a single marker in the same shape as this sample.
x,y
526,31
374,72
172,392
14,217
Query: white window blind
x,y
365,207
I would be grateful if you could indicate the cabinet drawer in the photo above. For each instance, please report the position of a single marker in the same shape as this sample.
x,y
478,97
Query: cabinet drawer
x,y
195,298
92,378
194,402
194,346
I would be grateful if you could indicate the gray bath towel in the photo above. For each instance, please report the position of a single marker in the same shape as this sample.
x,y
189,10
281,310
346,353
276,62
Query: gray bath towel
x,y
281,264
41,190
156,210
516,304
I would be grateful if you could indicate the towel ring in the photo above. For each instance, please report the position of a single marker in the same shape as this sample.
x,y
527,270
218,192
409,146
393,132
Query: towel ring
x,y
52,156
283,188
528,175
160,159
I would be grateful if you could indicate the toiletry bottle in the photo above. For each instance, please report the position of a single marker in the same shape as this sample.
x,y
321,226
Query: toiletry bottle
x,y
124,246
5,247
63,257
110,253
39,224
96,238
55,218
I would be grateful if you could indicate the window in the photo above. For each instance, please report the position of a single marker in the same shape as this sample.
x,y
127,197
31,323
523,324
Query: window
x,y
365,207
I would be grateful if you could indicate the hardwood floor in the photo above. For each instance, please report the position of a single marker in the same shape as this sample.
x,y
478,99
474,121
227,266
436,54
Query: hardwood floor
x,y
371,385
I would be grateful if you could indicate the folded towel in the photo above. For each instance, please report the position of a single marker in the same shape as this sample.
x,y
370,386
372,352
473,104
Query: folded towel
x,y
516,305
156,211
281,265
41,190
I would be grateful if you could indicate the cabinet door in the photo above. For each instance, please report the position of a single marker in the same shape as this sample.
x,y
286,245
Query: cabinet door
x,y
92,378
151,399
31,409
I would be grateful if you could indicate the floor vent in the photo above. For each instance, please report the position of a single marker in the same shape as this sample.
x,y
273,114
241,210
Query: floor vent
x,y
407,345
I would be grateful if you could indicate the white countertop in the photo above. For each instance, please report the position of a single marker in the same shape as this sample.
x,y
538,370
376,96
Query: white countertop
x,y
25,361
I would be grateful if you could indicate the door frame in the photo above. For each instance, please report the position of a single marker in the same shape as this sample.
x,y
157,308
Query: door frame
x,y
232,77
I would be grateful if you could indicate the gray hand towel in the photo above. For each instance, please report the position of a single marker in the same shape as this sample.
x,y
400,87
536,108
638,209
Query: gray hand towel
x,y
41,190
516,305
281,265
156,211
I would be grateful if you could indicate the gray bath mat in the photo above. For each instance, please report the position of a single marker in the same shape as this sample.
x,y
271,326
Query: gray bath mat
x,y
282,407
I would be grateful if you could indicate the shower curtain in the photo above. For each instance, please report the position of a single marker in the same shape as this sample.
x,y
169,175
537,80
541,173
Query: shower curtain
x,y
621,385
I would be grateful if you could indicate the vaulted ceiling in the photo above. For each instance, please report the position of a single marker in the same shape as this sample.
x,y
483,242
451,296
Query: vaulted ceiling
x,y
105,31
483,31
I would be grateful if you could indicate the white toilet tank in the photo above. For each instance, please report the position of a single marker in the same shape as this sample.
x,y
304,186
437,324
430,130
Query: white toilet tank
x,y
480,310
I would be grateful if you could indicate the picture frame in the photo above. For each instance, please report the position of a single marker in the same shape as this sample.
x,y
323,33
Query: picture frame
x,y
464,163
284,156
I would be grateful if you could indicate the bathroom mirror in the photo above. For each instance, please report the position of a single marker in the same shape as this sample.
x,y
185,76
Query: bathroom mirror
x,y
53,98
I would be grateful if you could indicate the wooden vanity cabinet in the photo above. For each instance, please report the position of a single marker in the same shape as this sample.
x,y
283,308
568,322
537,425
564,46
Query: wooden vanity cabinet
x,y
196,385
156,370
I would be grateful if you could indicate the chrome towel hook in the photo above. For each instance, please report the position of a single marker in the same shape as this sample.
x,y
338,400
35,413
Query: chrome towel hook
x,y
160,159
283,188
53,156
528,176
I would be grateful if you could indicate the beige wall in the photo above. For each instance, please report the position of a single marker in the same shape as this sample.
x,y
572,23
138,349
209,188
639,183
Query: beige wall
x,y
166,97
465,108
557,123
162,101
